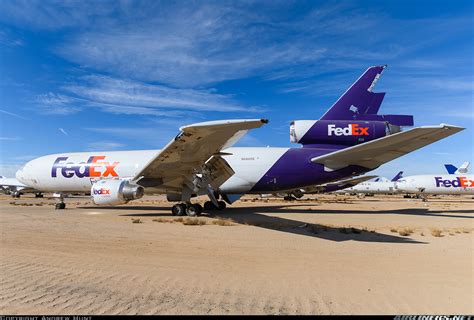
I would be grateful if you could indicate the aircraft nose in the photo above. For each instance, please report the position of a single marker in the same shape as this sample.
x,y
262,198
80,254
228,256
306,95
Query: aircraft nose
x,y
24,174
20,175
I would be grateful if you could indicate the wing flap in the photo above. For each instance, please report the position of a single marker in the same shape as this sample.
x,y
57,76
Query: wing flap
x,y
374,153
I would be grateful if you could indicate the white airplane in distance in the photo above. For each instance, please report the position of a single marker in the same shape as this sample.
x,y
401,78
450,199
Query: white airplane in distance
x,y
377,186
15,188
437,184
350,139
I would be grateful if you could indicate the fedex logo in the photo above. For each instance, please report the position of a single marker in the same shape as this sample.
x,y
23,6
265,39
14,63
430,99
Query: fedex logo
x,y
350,130
101,191
92,168
459,182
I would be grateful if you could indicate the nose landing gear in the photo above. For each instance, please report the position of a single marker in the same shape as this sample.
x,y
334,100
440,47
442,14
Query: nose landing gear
x,y
60,205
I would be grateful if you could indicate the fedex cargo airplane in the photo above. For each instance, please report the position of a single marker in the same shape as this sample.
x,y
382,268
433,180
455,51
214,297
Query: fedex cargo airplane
x,y
15,188
437,184
350,139
378,186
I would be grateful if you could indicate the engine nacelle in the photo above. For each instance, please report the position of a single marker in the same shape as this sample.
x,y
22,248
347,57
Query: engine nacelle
x,y
114,191
342,132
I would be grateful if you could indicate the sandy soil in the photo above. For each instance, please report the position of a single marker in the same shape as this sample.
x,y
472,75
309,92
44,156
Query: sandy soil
x,y
327,256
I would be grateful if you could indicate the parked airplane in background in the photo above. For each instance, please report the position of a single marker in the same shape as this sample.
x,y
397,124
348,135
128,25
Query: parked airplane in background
x,y
322,188
350,139
453,170
437,184
377,186
15,188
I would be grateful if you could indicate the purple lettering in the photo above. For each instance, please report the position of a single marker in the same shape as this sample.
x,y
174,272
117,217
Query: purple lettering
x,y
83,174
57,166
439,181
68,170
456,183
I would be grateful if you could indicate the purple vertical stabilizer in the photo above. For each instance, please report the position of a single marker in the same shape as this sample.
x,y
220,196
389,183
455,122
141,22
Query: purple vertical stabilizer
x,y
360,103
397,177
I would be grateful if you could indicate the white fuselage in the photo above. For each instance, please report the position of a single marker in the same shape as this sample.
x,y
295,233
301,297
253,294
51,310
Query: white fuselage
x,y
75,172
373,187
437,184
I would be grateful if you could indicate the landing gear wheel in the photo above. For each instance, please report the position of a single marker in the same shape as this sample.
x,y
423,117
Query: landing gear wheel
x,y
199,209
60,206
192,210
16,194
208,205
222,205
38,195
178,209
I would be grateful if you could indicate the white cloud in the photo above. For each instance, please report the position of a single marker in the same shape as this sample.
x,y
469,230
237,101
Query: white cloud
x,y
128,94
120,96
10,138
59,104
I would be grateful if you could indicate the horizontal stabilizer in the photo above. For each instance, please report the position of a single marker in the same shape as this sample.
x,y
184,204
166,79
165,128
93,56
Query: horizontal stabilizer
x,y
374,153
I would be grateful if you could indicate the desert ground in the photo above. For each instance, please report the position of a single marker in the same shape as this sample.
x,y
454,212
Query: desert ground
x,y
326,254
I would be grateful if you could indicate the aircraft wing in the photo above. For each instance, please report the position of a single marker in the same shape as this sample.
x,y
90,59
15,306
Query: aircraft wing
x,y
374,153
14,184
192,159
337,185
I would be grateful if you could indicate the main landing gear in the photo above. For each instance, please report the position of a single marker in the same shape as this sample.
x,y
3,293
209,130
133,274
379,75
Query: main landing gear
x,y
193,210
182,209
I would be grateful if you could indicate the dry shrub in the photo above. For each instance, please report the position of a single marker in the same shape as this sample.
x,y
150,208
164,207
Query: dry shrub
x,y
179,220
193,222
136,221
223,222
422,234
405,231
162,220
466,230
435,232
394,230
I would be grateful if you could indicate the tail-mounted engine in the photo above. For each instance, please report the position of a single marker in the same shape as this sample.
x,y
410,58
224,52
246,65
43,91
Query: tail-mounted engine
x,y
115,192
341,132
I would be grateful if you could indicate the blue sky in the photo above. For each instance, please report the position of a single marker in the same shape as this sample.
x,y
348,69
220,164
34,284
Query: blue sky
x,y
121,75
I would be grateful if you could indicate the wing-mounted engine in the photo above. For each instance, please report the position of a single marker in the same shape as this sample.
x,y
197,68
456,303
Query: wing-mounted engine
x,y
115,192
340,132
